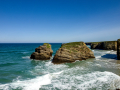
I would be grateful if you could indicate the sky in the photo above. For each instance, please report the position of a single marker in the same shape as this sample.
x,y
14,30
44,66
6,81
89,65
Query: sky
x,y
59,21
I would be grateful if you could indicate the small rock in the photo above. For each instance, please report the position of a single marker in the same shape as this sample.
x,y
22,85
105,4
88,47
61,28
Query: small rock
x,y
43,52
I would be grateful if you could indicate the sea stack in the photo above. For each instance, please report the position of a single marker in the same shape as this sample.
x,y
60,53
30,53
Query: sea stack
x,y
71,52
118,49
43,52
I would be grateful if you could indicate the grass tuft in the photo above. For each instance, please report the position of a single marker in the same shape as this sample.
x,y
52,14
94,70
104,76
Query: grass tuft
x,y
47,44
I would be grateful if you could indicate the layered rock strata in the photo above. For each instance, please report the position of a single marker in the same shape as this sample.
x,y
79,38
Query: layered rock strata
x,y
71,52
43,52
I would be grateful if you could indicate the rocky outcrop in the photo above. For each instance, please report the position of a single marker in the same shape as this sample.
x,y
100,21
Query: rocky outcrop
x,y
71,52
108,45
118,49
97,45
43,52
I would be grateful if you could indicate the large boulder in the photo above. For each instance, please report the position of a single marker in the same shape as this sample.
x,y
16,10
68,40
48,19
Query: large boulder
x,y
71,52
43,52
118,49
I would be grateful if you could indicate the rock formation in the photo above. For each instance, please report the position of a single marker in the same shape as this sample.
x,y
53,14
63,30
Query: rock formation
x,y
43,52
108,45
71,52
118,49
97,45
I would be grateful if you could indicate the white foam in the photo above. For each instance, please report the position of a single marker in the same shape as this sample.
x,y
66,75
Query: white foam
x,y
98,80
98,65
33,84
97,57
115,83
113,52
24,52
45,67
57,73
51,57
67,79
26,57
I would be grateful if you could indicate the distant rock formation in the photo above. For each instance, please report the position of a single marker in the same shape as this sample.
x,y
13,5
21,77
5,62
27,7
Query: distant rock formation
x,y
107,45
43,52
118,49
71,52
97,45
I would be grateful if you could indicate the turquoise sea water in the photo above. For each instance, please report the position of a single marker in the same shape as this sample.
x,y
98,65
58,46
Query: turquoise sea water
x,y
19,72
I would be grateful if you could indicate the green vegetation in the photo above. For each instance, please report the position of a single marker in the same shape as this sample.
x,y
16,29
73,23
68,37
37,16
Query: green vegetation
x,y
110,41
96,42
72,45
47,44
103,42
82,48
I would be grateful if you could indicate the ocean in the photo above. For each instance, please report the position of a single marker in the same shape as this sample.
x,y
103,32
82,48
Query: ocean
x,y
19,72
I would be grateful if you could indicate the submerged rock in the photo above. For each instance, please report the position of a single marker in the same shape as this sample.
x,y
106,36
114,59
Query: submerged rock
x,y
118,49
71,52
43,52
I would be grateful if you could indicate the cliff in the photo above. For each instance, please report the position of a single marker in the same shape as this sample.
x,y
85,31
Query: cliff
x,y
106,45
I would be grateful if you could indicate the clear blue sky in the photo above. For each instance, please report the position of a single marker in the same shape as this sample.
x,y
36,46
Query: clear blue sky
x,y
39,21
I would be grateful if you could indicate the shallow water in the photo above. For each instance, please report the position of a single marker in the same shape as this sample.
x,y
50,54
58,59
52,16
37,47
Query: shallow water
x,y
18,72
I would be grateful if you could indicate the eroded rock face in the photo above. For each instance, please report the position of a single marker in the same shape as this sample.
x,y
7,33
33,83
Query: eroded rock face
x,y
97,45
108,45
71,52
43,52
118,49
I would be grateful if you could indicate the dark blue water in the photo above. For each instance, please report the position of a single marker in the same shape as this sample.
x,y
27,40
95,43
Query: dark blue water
x,y
19,72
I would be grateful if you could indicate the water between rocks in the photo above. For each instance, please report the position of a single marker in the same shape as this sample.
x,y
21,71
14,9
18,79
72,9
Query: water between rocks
x,y
18,72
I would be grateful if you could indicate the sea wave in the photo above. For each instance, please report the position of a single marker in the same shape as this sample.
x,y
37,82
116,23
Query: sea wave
x,y
45,67
26,57
97,80
32,84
